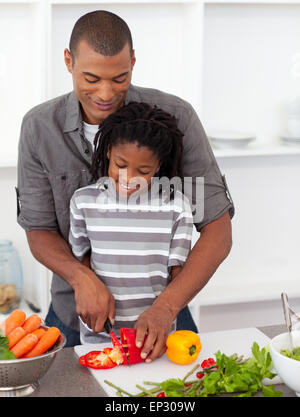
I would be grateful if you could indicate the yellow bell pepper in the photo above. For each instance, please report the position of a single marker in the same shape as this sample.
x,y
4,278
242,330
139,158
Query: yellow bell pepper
x,y
183,346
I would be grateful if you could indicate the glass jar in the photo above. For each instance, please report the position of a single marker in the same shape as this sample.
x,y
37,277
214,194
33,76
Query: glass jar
x,y
11,277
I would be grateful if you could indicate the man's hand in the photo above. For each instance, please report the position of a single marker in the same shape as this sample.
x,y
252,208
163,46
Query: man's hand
x,y
94,302
154,325
207,254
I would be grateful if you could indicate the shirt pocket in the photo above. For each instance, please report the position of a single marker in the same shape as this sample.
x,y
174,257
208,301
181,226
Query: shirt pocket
x,y
65,184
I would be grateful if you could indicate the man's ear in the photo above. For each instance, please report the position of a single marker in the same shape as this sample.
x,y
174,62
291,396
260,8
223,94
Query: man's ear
x,y
68,60
133,59
108,153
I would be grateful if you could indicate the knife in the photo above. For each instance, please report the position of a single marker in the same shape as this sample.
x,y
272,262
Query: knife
x,y
108,326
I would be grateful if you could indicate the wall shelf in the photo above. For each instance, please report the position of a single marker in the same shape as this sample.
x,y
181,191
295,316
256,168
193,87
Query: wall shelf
x,y
214,295
255,2
258,151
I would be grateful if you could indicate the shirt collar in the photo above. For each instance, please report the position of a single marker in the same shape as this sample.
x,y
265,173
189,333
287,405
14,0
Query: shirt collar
x,y
73,114
132,94
73,111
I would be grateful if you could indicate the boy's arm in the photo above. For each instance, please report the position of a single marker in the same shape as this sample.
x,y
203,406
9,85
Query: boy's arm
x,y
175,271
86,261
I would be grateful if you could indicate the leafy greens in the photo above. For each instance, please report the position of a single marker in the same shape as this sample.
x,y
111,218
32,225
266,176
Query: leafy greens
x,y
288,353
5,353
230,375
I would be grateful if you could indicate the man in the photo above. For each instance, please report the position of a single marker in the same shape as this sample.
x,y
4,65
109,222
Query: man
x,y
54,159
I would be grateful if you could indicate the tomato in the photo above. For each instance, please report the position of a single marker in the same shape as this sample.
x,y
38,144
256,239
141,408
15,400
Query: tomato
x,y
208,362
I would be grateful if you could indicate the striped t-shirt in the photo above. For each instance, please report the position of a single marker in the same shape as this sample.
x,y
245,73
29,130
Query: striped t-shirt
x,y
133,242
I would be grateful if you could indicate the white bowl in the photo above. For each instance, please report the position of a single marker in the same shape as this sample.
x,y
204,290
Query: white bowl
x,y
230,139
288,369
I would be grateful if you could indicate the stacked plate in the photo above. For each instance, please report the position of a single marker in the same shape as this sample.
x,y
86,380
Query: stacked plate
x,y
230,139
290,140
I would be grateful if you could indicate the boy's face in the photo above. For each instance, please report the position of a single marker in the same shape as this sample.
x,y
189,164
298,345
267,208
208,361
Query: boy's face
x,y
131,167
100,82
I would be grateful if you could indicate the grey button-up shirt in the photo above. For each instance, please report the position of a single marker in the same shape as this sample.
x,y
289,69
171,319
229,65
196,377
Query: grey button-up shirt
x,y
54,160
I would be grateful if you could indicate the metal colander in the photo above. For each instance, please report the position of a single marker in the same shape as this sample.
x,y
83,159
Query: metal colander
x,y
19,377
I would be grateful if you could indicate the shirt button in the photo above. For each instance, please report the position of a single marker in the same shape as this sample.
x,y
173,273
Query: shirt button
x,y
86,151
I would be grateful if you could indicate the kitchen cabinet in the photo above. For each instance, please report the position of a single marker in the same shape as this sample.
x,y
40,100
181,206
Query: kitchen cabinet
x,y
238,63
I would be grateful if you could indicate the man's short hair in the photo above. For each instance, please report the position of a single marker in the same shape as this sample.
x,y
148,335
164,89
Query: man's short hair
x,y
104,31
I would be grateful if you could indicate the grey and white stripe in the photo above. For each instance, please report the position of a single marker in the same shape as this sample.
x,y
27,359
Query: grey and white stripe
x,y
132,249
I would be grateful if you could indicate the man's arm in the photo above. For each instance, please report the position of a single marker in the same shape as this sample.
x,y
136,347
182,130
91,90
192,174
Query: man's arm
x,y
208,253
94,302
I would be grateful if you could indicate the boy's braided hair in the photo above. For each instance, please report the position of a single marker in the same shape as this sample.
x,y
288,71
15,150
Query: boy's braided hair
x,y
146,126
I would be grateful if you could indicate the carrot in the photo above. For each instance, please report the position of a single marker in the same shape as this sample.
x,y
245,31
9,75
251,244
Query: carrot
x,y
45,342
32,323
39,332
15,335
15,319
25,345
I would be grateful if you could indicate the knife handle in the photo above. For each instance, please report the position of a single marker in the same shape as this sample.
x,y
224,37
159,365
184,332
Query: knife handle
x,y
108,326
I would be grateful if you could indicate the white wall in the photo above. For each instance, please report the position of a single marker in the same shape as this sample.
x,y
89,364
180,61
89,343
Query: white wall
x,y
34,275
264,260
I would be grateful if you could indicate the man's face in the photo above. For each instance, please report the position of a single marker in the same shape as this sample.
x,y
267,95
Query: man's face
x,y
100,82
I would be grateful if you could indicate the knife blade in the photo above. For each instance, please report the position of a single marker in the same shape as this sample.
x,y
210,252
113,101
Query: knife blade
x,y
108,326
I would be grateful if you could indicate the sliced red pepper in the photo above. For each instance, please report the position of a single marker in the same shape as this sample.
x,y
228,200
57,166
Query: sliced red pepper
x,y
109,357
95,360
81,360
117,344
128,338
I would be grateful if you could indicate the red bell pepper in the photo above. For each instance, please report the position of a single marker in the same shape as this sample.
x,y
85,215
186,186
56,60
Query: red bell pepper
x,y
117,344
123,353
128,338
97,359
82,361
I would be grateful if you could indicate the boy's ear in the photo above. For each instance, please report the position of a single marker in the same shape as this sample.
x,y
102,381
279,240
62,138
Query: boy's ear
x,y
108,153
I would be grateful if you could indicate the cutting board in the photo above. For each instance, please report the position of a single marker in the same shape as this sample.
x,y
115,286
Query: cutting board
x,y
237,341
